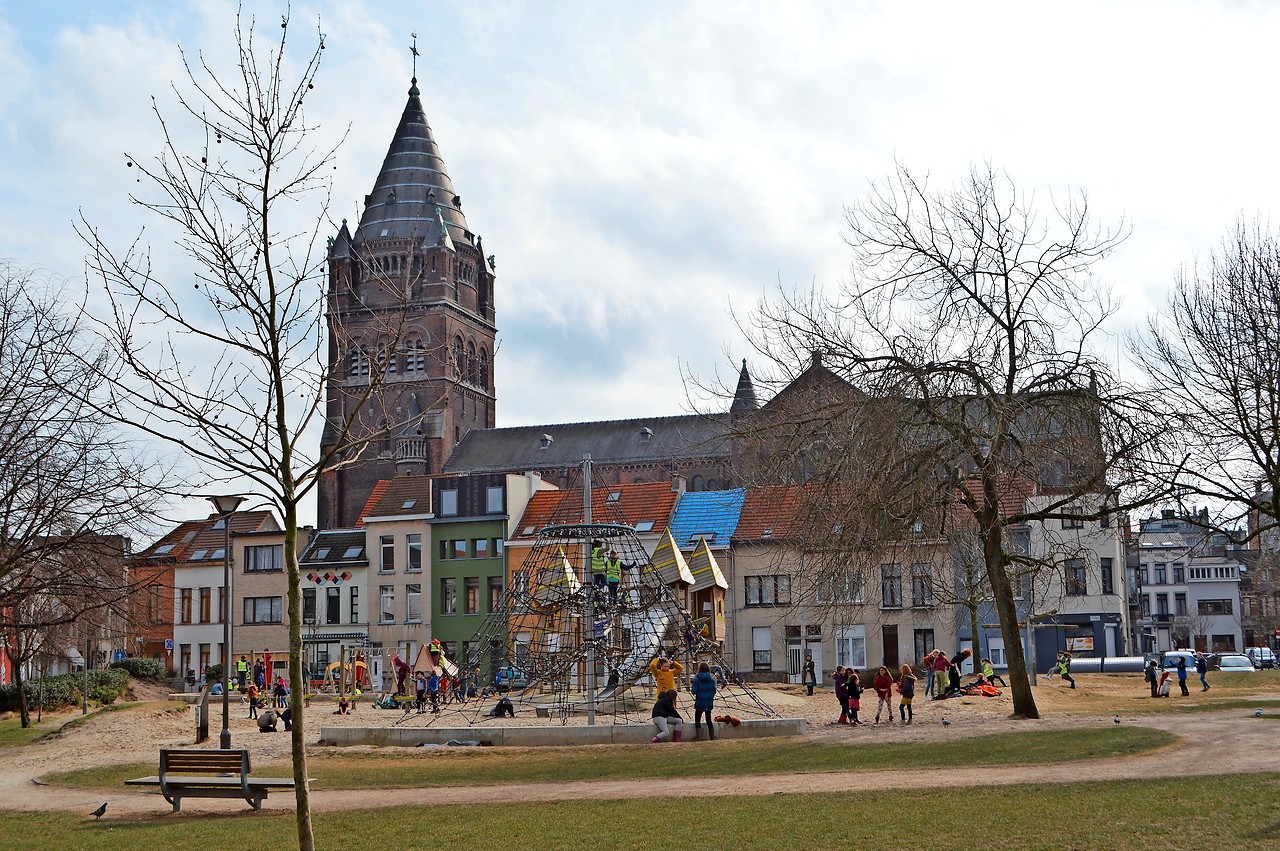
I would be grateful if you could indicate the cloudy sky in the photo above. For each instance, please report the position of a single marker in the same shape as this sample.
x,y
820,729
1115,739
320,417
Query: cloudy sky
x,y
640,170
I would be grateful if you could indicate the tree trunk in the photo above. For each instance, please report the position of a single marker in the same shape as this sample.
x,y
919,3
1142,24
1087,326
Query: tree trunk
x,y
973,634
1024,702
302,795
24,711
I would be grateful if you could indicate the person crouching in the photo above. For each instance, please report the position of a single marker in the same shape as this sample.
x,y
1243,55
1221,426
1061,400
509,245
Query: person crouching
x,y
666,718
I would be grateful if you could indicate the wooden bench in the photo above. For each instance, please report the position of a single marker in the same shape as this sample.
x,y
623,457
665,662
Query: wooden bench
x,y
208,773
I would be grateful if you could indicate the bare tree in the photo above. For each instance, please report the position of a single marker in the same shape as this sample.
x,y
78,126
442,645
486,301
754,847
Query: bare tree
x,y
1214,357
953,382
233,370
69,479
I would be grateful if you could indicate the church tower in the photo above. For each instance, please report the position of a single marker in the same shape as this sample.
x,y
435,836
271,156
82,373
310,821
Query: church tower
x,y
411,326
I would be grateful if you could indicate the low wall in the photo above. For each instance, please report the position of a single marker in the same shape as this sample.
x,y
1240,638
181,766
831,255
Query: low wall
x,y
601,734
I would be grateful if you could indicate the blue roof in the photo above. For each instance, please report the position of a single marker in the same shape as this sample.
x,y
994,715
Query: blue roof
x,y
710,514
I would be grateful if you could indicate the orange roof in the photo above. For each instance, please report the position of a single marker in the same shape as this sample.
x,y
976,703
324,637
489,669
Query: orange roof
x,y
649,503
376,494
770,513
404,495
191,536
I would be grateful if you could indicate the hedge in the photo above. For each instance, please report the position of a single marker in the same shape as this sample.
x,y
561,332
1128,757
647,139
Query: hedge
x,y
142,669
66,689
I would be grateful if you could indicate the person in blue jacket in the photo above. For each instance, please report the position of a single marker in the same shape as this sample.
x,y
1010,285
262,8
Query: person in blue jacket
x,y
704,695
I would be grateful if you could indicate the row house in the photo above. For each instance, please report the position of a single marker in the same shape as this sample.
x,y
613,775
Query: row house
x,y
1186,582
184,572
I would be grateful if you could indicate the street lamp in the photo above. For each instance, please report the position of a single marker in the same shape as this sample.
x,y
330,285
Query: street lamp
x,y
226,505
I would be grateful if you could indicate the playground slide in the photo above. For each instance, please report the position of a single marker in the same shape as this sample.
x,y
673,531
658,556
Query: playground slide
x,y
649,629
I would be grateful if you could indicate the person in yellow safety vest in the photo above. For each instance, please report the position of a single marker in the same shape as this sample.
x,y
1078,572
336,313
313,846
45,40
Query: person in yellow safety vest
x,y
242,671
597,563
613,568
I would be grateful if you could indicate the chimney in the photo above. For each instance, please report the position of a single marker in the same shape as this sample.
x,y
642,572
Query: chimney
x,y
677,483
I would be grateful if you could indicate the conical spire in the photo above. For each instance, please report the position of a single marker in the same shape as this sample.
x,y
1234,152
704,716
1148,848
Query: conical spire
x,y
744,398
412,185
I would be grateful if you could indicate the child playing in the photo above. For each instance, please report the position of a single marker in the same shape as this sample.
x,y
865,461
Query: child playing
x,y
855,697
883,687
906,688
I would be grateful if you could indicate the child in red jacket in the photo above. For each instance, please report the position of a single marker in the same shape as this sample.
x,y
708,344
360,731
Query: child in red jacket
x,y
882,685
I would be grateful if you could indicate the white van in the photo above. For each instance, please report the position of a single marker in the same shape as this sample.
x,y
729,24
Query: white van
x,y
1171,657
1261,657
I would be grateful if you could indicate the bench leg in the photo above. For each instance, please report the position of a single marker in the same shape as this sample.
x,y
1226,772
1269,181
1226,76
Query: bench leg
x,y
176,800
256,800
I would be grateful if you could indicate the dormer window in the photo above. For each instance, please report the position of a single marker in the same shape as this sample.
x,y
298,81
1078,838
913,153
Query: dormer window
x,y
646,434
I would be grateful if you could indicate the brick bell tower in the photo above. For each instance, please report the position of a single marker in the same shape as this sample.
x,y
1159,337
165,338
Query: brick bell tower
x,y
411,326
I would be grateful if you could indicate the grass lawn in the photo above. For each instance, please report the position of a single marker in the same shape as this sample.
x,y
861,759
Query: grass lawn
x,y
1237,812
482,766
12,734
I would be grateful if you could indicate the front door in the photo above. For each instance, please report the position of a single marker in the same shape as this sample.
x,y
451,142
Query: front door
x,y
816,650
889,637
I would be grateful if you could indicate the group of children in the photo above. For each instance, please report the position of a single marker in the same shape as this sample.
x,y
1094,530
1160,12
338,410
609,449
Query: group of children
x,y
665,715
849,690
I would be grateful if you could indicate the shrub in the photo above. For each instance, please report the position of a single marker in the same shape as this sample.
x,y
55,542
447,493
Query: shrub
x,y
142,669
65,690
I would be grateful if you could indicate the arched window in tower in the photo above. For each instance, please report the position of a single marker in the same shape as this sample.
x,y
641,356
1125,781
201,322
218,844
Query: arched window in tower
x,y
458,356
473,366
484,368
695,484
415,356
384,440
358,363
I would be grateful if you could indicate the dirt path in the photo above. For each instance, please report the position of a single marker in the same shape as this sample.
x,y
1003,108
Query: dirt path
x,y
1226,742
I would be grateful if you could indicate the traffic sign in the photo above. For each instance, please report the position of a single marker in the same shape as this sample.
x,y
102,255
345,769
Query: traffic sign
x,y
168,644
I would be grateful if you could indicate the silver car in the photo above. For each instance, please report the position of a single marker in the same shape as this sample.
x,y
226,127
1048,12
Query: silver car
x,y
1235,662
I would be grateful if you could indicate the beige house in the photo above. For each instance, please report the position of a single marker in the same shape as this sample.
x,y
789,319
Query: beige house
x,y
260,597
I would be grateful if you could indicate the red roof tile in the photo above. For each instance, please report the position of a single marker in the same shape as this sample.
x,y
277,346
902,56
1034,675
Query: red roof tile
x,y
775,509
629,504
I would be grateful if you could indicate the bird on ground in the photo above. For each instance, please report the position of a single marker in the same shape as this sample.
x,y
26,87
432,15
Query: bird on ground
x,y
99,812
1257,713
946,723
1116,719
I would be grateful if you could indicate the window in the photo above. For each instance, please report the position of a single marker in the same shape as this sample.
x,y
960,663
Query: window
x,y
1214,607
891,586
1108,576
1077,581
851,646
333,605
198,555
308,604
1179,573
1200,573
1179,604
1224,643
387,544
413,603
493,502
1072,519
849,589
413,552
924,643
471,595
1161,574
761,648
354,552
644,526
613,497
1162,604
768,590
387,603
921,586
184,605
498,547
155,604
448,502
415,357
1145,575
264,559
262,610
206,605
495,593
358,363
479,547
995,652
448,596
355,604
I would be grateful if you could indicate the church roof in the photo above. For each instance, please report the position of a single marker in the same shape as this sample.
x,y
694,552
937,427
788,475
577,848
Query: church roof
x,y
413,186
648,439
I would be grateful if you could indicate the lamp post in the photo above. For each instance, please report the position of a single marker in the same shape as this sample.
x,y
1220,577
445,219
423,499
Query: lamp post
x,y
226,505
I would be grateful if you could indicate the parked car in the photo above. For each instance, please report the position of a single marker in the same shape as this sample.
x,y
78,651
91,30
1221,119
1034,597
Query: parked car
x,y
1235,662
1261,657
1170,659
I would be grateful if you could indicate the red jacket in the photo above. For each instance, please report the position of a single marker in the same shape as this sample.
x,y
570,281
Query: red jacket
x,y
882,684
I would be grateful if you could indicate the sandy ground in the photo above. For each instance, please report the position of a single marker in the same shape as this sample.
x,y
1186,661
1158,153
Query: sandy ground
x,y
1223,742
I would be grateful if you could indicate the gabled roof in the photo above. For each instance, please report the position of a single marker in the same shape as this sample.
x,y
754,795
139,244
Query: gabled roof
x,y
705,569
413,187
195,541
336,546
707,514
647,507
770,513
408,496
669,562
642,440
556,581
